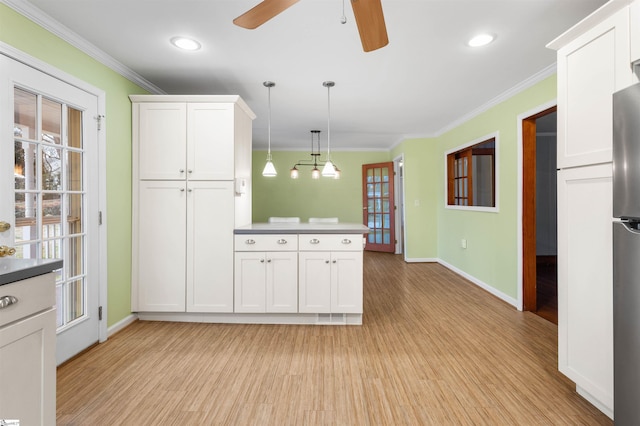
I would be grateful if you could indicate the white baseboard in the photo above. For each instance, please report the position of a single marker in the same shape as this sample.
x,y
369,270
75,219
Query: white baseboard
x,y
247,318
121,324
421,260
500,295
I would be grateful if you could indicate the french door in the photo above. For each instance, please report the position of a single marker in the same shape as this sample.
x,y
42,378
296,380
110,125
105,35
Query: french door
x,y
49,191
379,206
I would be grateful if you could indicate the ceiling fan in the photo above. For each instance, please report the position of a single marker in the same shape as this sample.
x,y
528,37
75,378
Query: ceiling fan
x,y
368,13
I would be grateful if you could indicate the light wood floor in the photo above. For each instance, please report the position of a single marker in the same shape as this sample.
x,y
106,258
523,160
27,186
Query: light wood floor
x,y
433,349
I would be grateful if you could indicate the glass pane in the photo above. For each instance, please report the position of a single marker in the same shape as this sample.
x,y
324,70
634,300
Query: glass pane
x,y
25,215
26,251
378,221
371,205
74,213
73,259
370,220
377,190
370,190
385,174
464,171
74,300
378,236
51,217
465,187
25,107
385,221
369,175
51,168
74,171
385,206
51,121
385,189
74,129
377,203
371,238
386,237
24,169
52,249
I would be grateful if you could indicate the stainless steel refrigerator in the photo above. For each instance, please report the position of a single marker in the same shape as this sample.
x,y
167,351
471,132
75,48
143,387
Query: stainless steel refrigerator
x,y
626,256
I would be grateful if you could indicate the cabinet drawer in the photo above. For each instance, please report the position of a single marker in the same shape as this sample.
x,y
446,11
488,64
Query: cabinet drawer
x,y
332,242
271,242
33,295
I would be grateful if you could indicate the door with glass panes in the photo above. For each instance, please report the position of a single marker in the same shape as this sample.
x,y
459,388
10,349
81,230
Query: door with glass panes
x,y
379,206
49,191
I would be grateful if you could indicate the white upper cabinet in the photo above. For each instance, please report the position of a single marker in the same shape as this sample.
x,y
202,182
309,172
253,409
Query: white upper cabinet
x,y
162,140
210,141
591,68
634,29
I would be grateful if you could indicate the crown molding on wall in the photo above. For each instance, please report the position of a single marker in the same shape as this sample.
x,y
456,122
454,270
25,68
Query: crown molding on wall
x,y
36,15
529,82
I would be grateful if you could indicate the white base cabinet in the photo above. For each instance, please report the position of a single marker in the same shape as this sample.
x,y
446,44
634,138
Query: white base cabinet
x,y
27,352
585,270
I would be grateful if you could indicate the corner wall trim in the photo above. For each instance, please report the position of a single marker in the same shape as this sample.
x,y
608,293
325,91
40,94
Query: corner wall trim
x,y
120,325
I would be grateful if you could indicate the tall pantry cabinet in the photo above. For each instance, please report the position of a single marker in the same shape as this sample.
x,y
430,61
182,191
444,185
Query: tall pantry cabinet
x,y
191,188
593,63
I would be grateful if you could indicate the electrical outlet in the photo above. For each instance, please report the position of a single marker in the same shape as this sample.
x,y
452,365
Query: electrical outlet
x,y
463,243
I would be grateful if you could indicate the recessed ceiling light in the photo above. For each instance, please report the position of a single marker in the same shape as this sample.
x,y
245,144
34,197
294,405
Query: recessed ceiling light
x,y
481,40
185,43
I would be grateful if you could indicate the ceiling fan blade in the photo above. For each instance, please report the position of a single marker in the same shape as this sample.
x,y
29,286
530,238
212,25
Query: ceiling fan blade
x,y
262,12
370,21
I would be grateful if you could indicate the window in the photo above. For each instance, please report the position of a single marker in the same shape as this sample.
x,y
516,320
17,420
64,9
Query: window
x,y
471,175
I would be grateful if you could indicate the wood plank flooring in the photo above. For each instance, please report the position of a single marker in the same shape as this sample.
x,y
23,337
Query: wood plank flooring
x,y
434,349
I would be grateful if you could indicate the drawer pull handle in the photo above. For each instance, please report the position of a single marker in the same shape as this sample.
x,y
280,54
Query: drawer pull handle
x,y
250,241
315,241
7,301
346,241
261,260
282,241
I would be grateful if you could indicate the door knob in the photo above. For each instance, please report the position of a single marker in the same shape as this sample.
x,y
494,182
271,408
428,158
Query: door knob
x,y
4,226
7,251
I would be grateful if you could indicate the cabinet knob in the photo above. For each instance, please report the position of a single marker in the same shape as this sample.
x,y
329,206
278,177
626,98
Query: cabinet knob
x,y
282,241
190,190
335,261
315,241
346,241
261,260
326,261
190,171
269,261
181,170
250,241
7,301
181,189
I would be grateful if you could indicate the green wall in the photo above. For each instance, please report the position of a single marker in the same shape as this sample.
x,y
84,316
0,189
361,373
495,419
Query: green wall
x,y
305,197
21,33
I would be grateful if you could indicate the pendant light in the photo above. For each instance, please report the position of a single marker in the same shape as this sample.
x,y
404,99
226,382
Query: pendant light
x,y
329,170
269,169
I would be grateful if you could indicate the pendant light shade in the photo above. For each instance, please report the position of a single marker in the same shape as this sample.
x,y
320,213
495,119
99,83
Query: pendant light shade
x,y
329,170
269,169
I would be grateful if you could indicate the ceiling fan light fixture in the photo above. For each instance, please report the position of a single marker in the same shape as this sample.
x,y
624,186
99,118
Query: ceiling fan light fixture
x,y
481,40
186,43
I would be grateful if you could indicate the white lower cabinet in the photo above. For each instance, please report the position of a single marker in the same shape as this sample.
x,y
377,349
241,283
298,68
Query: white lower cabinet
x,y
330,274
184,247
27,352
585,283
266,281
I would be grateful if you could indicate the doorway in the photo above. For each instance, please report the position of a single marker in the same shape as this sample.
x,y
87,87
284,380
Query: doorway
x,y
539,218
50,192
378,209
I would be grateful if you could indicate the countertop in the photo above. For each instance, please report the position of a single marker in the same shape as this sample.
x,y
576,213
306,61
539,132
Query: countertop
x,y
12,269
302,228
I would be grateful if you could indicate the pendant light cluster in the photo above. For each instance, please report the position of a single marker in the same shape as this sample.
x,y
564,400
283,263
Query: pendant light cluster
x,y
329,169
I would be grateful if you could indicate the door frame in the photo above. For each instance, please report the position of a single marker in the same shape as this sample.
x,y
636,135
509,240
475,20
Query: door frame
x,y
527,204
398,169
19,56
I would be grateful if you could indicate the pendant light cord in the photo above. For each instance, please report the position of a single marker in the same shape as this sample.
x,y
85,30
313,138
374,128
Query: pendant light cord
x,y
269,123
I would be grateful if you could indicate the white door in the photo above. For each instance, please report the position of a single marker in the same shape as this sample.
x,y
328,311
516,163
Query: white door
x,y
49,192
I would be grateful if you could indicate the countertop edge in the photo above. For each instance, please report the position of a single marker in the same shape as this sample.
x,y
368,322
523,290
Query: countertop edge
x,y
19,272
301,228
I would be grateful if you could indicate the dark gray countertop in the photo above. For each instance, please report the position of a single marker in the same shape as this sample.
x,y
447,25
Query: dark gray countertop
x,y
302,228
12,269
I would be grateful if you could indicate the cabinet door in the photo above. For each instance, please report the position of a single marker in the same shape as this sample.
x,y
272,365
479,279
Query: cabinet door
x,y
585,279
346,282
209,280
162,140
282,281
210,141
314,282
590,69
28,370
250,282
159,263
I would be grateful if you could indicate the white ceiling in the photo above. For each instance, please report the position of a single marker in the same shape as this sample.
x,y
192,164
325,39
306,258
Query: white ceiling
x,y
422,83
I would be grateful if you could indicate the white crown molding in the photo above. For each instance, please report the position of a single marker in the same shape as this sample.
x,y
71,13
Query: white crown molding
x,y
531,81
36,15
